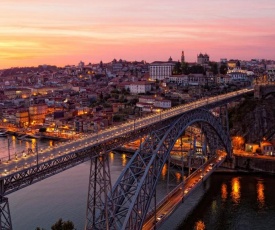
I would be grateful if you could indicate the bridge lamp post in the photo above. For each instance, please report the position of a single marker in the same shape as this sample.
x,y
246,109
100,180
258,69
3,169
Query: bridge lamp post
x,y
160,114
36,154
9,140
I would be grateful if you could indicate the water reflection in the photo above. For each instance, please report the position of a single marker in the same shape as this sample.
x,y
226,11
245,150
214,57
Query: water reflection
x,y
236,190
224,192
260,194
124,159
111,157
214,207
199,225
164,171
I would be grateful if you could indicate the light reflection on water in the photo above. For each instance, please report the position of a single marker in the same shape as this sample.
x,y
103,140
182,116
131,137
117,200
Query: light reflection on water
x,y
260,194
224,192
18,146
235,202
236,190
124,159
199,225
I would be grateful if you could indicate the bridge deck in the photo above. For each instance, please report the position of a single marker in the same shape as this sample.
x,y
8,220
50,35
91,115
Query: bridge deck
x,y
30,167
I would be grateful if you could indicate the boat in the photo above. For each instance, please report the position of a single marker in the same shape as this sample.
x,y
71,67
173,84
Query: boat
x,y
25,137
3,134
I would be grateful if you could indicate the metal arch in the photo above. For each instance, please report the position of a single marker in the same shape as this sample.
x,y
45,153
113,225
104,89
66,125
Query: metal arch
x,y
135,187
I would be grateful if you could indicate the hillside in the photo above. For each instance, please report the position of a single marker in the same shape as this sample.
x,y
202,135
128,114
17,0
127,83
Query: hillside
x,y
252,118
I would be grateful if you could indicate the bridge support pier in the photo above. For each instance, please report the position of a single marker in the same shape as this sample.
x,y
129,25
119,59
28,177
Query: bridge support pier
x,y
5,216
99,205
224,117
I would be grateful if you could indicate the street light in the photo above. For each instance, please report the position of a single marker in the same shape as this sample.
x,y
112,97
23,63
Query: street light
x,y
9,148
36,154
159,114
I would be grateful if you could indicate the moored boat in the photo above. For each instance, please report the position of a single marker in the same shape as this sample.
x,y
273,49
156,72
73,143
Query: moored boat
x,y
3,134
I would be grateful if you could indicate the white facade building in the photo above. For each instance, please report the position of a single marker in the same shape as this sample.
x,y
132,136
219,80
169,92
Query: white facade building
x,y
238,76
223,79
150,103
161,70
270,69
179,79
165,104
140,87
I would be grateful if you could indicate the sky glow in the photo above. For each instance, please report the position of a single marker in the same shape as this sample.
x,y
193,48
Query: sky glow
x,y
64,32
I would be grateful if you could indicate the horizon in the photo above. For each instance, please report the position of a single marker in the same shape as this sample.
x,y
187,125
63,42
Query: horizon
x,y
66,32
97,63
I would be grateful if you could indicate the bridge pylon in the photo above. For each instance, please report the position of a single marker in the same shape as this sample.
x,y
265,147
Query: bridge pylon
x,y
5,216
224,117
99,205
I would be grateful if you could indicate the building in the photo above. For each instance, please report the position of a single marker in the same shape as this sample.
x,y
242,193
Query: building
x,y
161,103
182,57
267,148
140,87
197,79
223,79
37,113
270,70
233,64
151,103
238,77
251,147
202,59
179,79
161,70
16,93
22,117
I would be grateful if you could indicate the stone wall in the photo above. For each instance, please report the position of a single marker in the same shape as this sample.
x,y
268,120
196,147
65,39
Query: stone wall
x,y
255,164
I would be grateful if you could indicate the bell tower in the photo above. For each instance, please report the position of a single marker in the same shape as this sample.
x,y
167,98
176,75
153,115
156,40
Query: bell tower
x,y
182,57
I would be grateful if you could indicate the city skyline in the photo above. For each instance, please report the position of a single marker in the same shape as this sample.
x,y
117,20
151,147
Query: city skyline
x,y
66,32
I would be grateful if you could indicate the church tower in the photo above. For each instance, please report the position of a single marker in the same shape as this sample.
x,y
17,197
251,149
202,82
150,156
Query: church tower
x,y
182,57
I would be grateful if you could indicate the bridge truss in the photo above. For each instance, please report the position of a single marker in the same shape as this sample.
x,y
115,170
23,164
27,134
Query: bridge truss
x,y
132,194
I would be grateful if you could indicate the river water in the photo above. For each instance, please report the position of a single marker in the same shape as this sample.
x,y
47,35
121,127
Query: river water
x,y
230,201
235,201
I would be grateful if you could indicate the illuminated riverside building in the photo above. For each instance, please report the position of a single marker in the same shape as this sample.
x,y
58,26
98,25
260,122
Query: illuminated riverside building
x,y
38,113
22,117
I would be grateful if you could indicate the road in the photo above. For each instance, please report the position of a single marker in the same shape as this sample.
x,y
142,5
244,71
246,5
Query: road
x,y
182,192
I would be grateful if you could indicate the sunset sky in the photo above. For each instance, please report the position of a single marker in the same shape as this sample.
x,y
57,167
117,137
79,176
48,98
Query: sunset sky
x,y
60,32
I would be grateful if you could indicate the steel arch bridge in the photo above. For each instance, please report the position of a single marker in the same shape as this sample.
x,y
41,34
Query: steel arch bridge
x,y
129,201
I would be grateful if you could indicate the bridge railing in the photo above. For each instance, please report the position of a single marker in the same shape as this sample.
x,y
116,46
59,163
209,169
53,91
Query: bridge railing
x,y
138,123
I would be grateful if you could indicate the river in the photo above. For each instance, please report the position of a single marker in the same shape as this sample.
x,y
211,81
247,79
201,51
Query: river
x,y
234,201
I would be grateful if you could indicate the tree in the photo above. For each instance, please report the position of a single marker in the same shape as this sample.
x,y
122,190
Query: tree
x,y
214,67
223,69
177,68
63,225
101,96
196,69
185,68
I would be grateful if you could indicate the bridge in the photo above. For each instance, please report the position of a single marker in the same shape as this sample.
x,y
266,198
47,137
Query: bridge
x,y
125,205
